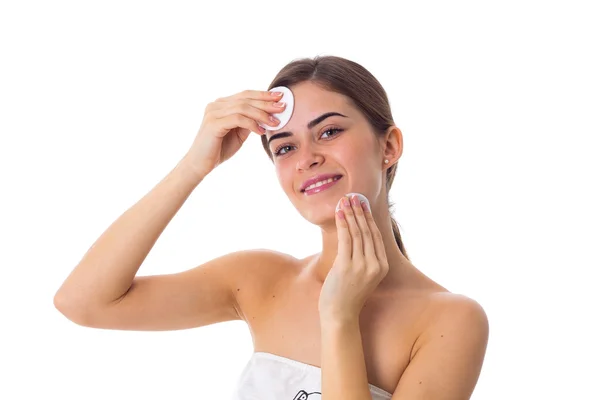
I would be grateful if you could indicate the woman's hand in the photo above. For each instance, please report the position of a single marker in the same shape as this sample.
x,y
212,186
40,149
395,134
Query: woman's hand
x,y
227,124
360,265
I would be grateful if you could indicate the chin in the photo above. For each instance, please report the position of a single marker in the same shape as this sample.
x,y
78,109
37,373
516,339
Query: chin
x,y
323,214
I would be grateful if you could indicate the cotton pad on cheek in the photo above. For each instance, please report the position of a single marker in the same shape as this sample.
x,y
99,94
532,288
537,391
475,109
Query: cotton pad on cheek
x,y
349,196
284,116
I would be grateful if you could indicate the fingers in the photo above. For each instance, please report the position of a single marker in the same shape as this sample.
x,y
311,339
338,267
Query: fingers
x,y
344,239
253,94
258,109
362,232
245,108
233,121
377,239
353,229
273,107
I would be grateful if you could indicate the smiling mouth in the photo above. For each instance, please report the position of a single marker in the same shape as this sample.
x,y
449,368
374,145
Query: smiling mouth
x,y
327,185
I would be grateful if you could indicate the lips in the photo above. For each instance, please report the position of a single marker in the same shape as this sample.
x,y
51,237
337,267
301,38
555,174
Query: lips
x,y
321,188
316,179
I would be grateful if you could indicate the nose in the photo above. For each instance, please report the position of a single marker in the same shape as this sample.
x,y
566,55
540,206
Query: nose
x,y
307,157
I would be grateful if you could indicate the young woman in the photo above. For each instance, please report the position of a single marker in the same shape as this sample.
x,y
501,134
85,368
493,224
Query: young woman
x,y
357,320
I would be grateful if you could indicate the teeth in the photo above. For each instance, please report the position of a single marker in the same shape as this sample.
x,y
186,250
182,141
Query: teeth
x,y
314,185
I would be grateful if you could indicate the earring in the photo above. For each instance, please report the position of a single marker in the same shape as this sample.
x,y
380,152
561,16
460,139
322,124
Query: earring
x,y
387,161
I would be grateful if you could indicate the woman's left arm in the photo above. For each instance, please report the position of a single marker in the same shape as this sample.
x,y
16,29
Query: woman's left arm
x,y
343,369
446,364
450,352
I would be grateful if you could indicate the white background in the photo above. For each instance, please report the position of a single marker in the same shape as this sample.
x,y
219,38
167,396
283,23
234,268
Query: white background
x,y
496,192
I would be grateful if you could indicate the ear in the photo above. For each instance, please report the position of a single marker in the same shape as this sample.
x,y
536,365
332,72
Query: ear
x,y
393,144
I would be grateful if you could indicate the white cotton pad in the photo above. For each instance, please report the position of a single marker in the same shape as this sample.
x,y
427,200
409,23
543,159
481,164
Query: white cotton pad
x,y
361,197
283,117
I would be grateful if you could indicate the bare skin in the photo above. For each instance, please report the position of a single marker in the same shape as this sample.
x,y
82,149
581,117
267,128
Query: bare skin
x,y
275,293
283,314
280,308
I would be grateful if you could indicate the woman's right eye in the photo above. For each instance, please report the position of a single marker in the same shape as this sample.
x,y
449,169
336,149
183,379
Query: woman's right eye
x,y
277,153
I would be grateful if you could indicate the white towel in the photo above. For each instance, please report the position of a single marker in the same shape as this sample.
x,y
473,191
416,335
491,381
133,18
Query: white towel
x,y
271,377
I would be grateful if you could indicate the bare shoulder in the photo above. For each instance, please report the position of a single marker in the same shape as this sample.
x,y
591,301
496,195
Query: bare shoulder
x,y
455,304
449,311
265,269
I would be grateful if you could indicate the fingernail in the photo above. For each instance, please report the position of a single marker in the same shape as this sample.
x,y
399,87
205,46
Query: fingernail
x,y
338,207
366,205
276,94
360,198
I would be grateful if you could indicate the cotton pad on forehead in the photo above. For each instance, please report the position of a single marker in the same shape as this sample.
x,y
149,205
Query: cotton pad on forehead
x,y
284,116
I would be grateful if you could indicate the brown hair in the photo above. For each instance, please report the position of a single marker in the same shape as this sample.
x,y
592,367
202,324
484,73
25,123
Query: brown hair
x,y
352,80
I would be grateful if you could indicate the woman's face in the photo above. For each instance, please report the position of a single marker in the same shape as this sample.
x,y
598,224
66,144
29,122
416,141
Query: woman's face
x,y
339,144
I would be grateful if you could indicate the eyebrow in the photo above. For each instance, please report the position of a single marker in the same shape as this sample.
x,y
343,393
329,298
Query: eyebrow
x,y
310,125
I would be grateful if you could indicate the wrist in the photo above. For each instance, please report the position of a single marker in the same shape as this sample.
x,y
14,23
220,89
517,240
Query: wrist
x,y
191,170
337,320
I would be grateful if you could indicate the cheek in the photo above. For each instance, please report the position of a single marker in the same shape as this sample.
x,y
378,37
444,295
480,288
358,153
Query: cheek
x,y
351,156
285,179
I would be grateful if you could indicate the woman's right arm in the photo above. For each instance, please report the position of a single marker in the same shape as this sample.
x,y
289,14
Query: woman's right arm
x,y
105,275
103,290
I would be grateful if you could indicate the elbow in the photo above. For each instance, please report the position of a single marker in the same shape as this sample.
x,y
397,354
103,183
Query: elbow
x,y
73,314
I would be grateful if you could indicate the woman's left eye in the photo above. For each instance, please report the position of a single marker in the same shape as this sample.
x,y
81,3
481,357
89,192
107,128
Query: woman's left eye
x,y
336,131
331,130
